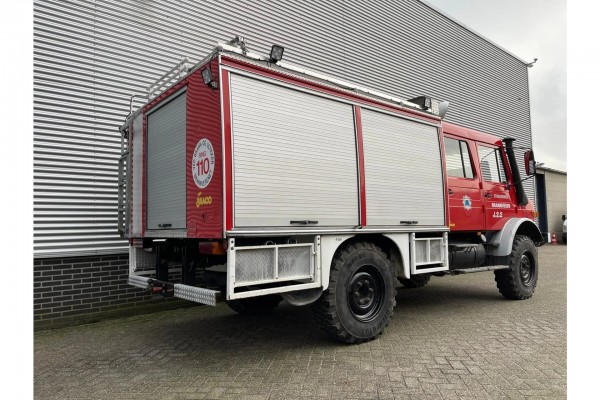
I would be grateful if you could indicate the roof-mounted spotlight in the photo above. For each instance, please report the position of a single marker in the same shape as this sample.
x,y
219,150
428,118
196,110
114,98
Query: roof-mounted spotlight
x,y
276,53
428,104
422,101
207,77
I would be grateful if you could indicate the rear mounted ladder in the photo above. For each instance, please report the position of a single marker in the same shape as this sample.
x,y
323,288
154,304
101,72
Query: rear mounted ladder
x,y
124,188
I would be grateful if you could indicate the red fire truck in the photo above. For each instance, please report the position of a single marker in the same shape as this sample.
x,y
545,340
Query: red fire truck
x,y
249,180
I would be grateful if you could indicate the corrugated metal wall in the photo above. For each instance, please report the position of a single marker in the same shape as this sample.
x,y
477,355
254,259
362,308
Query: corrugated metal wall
x,y
90,56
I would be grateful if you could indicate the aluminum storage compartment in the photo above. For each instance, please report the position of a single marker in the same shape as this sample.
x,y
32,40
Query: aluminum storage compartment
x,y
403,171
294,156
165,164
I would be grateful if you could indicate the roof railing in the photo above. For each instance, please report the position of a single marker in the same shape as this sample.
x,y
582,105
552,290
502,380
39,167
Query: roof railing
x,y
173,75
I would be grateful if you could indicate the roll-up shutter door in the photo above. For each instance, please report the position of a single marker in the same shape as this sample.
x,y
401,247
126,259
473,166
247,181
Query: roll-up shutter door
x,y
294,156
403,171
137,138
166,166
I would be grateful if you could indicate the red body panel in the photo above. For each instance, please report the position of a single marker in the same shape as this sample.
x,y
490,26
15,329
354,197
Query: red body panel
x,y
491,204
204,205
361,167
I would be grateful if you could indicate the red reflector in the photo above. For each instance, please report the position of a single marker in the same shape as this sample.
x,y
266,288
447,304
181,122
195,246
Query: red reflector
x,y
215,248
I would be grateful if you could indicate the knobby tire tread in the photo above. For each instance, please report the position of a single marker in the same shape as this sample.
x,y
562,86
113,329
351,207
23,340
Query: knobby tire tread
x,y
324,308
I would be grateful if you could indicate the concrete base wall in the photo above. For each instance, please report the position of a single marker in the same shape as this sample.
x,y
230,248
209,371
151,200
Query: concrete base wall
x,y
69,291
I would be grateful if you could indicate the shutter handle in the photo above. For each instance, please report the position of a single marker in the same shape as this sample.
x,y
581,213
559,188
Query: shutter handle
x,y
304,222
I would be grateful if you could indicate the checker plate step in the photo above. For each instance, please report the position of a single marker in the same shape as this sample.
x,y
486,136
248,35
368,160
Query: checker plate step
x,y
198,295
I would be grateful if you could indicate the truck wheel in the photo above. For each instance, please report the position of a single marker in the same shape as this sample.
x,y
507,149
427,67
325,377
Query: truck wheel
x,y
415,281
519,281
359,302
255,305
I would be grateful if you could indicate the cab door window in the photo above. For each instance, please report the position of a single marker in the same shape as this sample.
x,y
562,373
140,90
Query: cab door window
x,y
492,166
458,162
465,202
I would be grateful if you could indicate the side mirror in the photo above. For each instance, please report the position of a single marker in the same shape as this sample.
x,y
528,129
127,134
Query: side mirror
x,y
529,163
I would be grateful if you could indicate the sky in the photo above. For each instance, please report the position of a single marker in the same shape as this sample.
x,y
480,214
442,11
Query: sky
x,y
529,29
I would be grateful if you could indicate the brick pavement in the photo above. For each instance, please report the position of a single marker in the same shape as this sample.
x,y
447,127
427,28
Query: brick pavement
x,y
456,338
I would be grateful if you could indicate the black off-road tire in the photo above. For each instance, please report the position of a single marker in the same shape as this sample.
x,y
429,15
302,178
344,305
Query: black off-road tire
x,y
255,305
415,281
519,281
359,302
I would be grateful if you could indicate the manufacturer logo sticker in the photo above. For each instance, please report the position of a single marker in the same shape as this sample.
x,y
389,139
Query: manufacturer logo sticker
x,y
203,163
203,200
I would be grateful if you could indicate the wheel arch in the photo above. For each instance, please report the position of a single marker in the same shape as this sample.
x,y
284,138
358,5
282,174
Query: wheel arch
x,y
394,251
394,245
503,239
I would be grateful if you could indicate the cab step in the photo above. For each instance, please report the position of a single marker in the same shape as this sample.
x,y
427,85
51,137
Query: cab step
x,y
478,269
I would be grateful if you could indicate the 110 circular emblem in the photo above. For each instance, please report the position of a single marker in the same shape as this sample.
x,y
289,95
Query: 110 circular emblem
x,y
203,163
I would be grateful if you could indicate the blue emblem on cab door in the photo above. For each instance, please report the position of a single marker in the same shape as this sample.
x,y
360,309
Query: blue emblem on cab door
x,y
467,202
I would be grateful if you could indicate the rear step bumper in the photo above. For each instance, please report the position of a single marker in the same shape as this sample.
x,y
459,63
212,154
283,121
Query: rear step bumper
x,y
186,292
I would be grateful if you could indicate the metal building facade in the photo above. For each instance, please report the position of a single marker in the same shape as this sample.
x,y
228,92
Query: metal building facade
x,y
91,56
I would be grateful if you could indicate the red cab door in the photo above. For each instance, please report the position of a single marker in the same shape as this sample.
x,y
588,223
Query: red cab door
x,y
499,202
464,190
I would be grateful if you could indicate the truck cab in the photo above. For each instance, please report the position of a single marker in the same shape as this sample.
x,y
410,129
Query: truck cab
x,y
482,191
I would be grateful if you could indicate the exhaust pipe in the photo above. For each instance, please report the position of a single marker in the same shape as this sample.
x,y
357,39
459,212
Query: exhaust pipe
x,y
516,175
